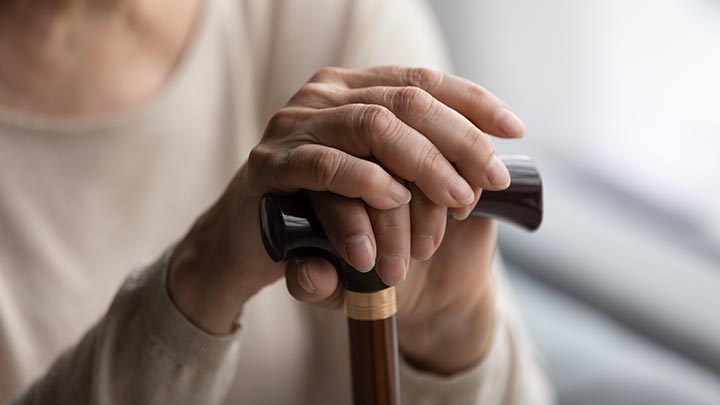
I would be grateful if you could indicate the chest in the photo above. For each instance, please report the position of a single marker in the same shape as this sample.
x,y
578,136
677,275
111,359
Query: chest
x,y
84,202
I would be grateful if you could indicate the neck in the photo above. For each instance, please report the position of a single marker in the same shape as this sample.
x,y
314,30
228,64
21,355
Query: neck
x,y
33,28
34,20
60,55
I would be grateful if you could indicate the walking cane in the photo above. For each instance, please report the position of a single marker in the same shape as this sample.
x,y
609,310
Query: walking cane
x,y
291,229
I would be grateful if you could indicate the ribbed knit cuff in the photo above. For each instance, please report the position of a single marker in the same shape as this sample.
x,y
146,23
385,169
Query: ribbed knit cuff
x,y
483,383
182,340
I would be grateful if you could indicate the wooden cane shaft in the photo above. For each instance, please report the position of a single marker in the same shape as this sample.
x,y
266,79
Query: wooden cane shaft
x,y
374,359
373,346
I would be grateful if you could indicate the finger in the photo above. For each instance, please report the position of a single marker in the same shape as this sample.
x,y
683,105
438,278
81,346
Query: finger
x,y
314,281
479,105
458,139
347,226
392,234
461,213
373,130
428,222
320,168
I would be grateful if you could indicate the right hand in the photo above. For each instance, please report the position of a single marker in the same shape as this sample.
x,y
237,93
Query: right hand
x,y
418,126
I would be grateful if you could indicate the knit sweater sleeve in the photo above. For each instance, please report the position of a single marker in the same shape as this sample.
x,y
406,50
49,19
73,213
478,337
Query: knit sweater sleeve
x,y
142,351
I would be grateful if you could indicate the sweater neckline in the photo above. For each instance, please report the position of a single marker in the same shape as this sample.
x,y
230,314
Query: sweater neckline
x,y
18,119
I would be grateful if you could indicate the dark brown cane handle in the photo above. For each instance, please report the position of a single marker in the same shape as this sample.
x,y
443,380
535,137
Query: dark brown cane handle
x,y
291,229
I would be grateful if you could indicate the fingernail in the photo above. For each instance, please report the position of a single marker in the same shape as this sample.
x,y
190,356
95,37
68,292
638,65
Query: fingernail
x,y
360,252
400,193
304,279
460,190
423,246
392,269
461,214
497,174
510,124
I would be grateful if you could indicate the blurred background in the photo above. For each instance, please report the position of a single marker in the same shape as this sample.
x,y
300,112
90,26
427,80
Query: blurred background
x,y
620,287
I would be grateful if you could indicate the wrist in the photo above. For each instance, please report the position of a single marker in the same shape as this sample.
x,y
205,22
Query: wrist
x,y
199,297
215,269
454,339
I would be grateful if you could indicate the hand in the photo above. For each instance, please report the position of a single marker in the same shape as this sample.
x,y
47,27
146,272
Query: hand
x,y
445,306
417,124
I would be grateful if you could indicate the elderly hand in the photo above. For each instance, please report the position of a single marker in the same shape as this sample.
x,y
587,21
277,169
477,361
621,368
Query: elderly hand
x,y
365,141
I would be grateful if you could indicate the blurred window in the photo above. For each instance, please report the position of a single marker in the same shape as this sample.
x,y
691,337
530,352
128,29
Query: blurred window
x,y
625,92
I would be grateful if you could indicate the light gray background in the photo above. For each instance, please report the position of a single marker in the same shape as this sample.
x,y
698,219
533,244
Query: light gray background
x,y
621,285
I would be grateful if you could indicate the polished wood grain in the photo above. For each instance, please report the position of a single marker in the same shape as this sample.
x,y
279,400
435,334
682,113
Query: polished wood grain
x,y
374,357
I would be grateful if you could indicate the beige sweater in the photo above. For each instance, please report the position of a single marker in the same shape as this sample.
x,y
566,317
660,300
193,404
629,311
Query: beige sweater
x,y
88,203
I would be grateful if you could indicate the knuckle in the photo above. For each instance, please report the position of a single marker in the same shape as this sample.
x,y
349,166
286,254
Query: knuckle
x,y
325,167
261,160
391,223
259,155
423,77
265,164
413,101
279,168
477,143
352,221
327,73
283,118
431,160
375,178
310,91
477,92
376,121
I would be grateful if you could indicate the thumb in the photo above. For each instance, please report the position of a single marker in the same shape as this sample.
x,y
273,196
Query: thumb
x,y
314,281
